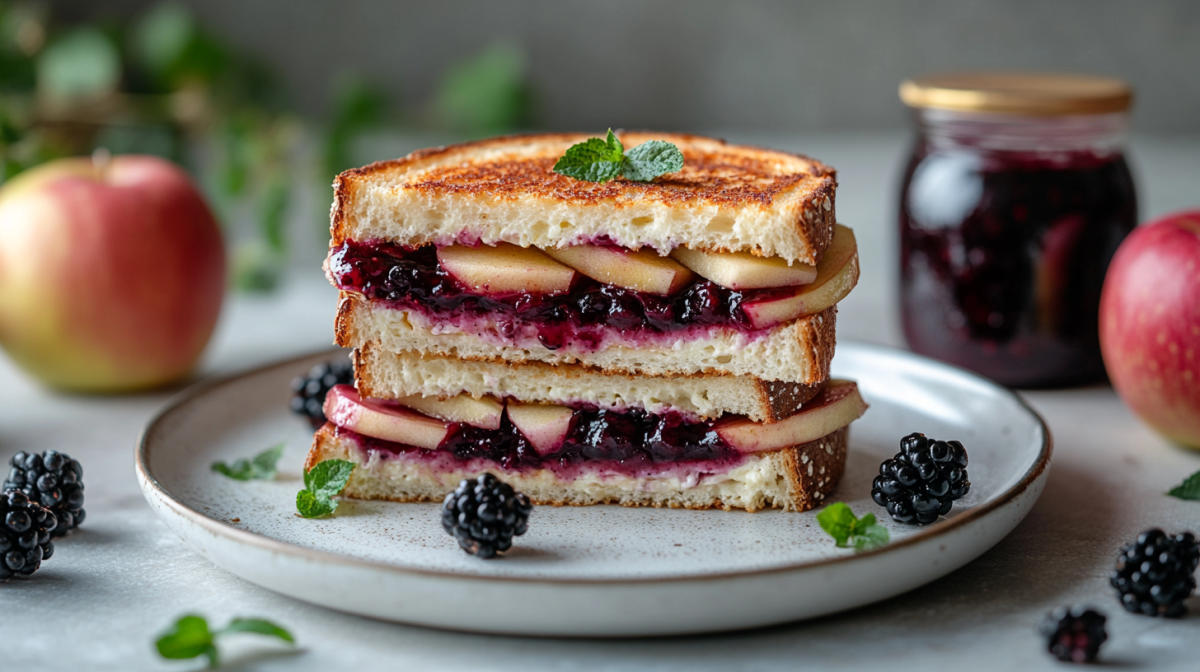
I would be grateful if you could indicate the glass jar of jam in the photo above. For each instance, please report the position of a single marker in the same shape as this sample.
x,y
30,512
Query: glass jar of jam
x,y
1014,201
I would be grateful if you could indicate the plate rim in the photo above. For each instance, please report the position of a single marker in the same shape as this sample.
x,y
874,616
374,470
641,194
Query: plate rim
x,y
151,486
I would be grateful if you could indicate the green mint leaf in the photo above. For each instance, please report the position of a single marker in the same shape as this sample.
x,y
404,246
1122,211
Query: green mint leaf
x,y
258,626
871,536
863,534
861,524
311,506
838,521
593,160
189,637
240,470
265,462
261,466
651,159
321,484
329,477
1189,489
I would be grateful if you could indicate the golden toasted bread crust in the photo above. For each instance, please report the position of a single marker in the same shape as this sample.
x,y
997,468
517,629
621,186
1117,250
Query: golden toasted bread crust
x,y
812,471
775,400
815,334
519,167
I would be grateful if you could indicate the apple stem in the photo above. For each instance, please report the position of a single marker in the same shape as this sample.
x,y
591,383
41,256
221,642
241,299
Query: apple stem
x,y
101,157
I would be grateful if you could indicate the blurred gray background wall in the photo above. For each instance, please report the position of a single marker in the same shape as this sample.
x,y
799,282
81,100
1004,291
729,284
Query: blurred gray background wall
x,y
756,65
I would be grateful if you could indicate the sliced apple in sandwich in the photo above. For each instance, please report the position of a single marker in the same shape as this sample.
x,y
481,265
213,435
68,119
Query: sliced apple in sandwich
x,y
836,406
742,270
640,270
370,417
505,269
484,412
545,426
837,273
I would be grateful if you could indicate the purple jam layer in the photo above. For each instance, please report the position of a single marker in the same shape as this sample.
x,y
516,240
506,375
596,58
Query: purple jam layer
x,y
631,442
412,279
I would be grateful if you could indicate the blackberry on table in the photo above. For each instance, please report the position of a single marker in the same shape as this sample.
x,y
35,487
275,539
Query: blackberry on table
x,y
922,481
308,392
25,528
484,514
53,480
1074,635
1156,574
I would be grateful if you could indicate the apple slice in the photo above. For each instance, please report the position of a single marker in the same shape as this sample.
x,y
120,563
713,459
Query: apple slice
x,y
639,270
837,273
834,407
505,269
545,426
371,417
484,412
742,270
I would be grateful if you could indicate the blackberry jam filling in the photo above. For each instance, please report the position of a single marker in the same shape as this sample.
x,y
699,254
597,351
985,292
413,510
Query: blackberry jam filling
x,y
626,441
1003,276
413,278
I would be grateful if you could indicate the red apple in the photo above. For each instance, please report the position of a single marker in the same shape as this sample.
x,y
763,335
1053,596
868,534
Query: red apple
x,y
111,273
1150,325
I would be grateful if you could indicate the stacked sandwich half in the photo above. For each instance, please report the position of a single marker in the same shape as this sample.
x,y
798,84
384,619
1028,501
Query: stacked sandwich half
x,y
663,343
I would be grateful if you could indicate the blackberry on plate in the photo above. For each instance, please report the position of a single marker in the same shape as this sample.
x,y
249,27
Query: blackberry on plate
x,y
25,528
1156,573
1074,635
308,392
484,514
53,480
922,481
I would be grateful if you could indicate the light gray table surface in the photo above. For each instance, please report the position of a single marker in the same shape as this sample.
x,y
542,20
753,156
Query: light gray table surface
x,y
124,577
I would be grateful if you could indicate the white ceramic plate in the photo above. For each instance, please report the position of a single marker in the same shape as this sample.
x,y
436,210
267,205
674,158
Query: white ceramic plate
x,y
592,571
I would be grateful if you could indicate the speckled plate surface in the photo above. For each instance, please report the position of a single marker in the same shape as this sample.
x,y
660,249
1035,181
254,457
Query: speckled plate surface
x,y
592,571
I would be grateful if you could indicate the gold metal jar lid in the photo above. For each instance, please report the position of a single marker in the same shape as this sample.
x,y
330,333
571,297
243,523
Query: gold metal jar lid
x,y
1035,94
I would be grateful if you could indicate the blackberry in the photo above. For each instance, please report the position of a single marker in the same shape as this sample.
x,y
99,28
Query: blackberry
x,y
484,514
53,480
922,481
1156,573
308,392
1074,635
25,528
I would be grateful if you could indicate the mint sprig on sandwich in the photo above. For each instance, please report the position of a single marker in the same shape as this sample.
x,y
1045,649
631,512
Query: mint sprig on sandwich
x,y
596,160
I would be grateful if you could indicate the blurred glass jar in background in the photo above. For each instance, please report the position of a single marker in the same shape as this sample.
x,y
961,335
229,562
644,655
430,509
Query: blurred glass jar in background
x,y
1014,201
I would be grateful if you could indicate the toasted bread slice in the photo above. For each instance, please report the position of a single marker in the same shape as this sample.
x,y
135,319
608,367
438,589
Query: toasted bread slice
x,y
726,198
797,478
382,374
795,352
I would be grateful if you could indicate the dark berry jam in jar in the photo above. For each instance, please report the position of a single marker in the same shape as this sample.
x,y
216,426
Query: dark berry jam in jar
x,y
1014,201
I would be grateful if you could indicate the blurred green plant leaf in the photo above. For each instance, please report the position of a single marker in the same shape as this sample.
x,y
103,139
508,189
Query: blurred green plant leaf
x,y
257,626
1188,489
189,637
254,268
79,64
234,166
159,140
160,38
486,94
22,35
358,107
260,467
272,212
